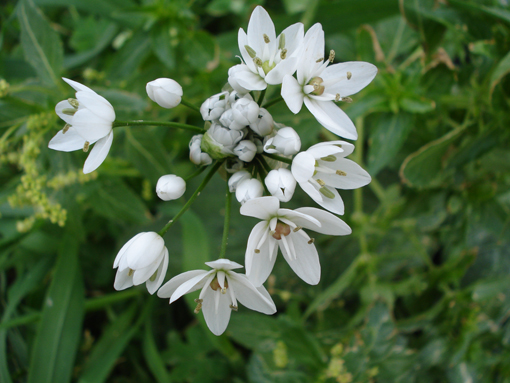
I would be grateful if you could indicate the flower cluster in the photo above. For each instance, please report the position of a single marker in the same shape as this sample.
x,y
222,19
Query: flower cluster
x,y
259,156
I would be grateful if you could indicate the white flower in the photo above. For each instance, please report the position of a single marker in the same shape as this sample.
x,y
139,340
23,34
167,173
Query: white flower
x,y
144,258
165,92
195,152
89,120
283,228
319,85
249,189
286,142
322,169
219,141
237,178
245,150
170,187
221,289
281,184
214,106
244,113
264,123
267,58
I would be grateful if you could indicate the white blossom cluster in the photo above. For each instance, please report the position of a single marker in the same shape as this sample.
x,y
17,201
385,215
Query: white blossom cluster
x,y
256,153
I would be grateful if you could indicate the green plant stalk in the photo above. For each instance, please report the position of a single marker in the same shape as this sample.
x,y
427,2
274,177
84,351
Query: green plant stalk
x,y
226,223
261,97
278,158
358,193
190,105
205,181
273,101
264,163
196,173
168,124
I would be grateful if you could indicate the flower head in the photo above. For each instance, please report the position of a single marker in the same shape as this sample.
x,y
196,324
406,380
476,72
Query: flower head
x,y
144,258
283,228
89,118
221,288
170,187
165,92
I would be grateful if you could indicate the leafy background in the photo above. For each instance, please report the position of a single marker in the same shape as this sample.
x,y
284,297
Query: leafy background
x,y
418,293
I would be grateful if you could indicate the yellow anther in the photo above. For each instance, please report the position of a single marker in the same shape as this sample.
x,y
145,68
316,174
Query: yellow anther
x,y
86,146
297,228
331,56
65,128
326,193
337,97
347,99
266,38
341,173
74,102
233,307
349,75
283,54
312,240
224,290
320,60
321,182
250,51
130,272
257,251
257,61
69,111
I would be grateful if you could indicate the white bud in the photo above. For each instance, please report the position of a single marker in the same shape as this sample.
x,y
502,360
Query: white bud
x,y
237,178
286,142
214,106
281,184
227,118
245,150
195,152
238,72
264,124
219,141
244,113
249,189
165,92
234,96
170,187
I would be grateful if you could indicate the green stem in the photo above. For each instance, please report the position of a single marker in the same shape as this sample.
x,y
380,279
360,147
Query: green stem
x,y
358,193
207,178
196,173
262,174
264,163
278,158
190,105
261,97
226,223
158,123
273,101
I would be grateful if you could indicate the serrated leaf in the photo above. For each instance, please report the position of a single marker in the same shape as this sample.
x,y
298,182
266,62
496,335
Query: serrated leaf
x,y
59,329
387,139
41,44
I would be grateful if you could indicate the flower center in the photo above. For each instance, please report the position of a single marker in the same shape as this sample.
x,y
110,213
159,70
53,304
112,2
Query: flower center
x,y
318,88
281,228
266,66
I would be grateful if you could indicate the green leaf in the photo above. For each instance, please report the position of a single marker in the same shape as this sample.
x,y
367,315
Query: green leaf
x,y
162,47
152,355
128,59
424,168
387,139
501,71
416,104
59,330
41,44
200,51
107,350
196,246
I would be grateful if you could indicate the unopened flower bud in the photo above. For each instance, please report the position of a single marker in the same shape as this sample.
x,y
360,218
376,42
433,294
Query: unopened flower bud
x,y
195,152
214,106
286,142
219,141
227,118
264,123
245,150
170,187
249,189
244,113
236,73
237,178
281,184
165,92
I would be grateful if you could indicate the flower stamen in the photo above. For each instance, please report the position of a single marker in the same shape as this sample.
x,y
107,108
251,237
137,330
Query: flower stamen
x,y
86,146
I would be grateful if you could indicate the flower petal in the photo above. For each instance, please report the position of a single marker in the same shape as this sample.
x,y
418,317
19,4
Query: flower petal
x,y
293,39
242,40
145,250
260,23
77,86
98,153
122,280
292,93
313,50
59,109
329,115
169,288
152,286
283,68
97,105
346,148
361,74
216,317
355,176
261,208
67,142
259,265
123,249
249,296
251,81
90,126
306,264
330,224
191,285
303,167
223,264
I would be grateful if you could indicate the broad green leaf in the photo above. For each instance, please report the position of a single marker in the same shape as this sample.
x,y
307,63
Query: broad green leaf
x,y
41,44
201,51
59,330
109,347
162,46
152,355
98,7
196,245
126,61
502,69
424,168
387,139
477,8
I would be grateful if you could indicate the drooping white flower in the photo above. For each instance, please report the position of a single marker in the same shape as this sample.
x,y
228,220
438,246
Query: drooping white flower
x,y
319,85
286,142
245,150
281,184
89,120
322,169
170,187
144,258
264,123
165,92
214,106
267,58
237,178
195,151
221,289
283,228
249,189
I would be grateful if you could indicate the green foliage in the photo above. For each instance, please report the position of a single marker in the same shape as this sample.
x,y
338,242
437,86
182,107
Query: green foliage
x,y
418,293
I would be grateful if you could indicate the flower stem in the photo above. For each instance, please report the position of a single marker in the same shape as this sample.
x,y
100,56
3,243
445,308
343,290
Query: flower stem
x,y
264,163
273,101
190,105
261,97
158,123
358,193
196,173
226,223
278,158
207,178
